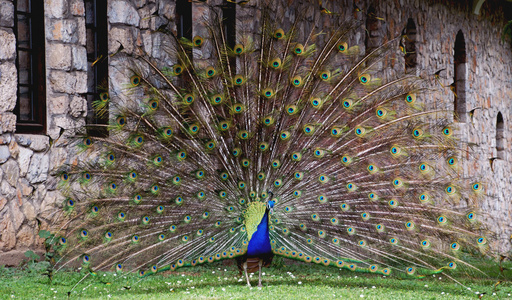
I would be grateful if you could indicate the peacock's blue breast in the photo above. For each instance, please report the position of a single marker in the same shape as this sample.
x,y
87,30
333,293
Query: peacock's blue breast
x,y
260,241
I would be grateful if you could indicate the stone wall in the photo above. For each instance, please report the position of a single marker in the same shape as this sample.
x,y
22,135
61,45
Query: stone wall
x,y
28,192
27,189
488,62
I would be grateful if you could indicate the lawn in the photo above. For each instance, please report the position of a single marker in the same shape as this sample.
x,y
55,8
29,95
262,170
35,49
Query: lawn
x,y
286,280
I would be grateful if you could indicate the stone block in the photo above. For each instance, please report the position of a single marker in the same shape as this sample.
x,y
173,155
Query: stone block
x,y
29,211
145,17
14,149
122,12
11,172
7,190
79,58
81,86
40,194
38,168
38,142
17,216
7,122
5,138
121,35
8,85
56,8
8,45
59,56
8,234
156,22
58,104
78,106
25,237
58,157
167,9
147,40
70,125
82,37
76,8
118,78
24,187
23,140
4,153
63,30
3,202
64,82
140,3
56,126
6,13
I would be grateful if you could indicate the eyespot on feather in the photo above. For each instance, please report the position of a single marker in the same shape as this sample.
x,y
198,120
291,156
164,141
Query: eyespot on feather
x,y
197,41
135,80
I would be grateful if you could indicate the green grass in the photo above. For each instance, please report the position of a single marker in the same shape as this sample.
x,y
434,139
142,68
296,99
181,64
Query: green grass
x,y
220,280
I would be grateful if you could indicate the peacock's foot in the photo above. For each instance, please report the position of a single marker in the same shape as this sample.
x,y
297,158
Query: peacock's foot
x,y
260,285
248,284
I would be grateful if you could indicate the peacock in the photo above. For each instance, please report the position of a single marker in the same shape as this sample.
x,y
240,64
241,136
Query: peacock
x,y
291,141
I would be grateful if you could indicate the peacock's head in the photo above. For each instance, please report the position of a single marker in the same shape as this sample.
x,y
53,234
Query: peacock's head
x,y
270,206
271,203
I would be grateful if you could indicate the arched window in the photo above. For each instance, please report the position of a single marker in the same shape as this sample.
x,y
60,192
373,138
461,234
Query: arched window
x,y
29,28
459,78
410,46
373,36
500,137
97,67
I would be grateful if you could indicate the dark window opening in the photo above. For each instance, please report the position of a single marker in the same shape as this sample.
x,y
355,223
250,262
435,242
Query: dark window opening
x,y
184,19
373,36
184,25
500,137
30,107
184,30
410,46
229,24
459,79
97,69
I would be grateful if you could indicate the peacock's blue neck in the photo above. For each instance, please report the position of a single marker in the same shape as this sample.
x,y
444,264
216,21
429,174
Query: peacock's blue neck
x,y
260,241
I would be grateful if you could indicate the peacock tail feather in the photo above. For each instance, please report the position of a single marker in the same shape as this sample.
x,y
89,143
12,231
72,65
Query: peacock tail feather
x,y
363,176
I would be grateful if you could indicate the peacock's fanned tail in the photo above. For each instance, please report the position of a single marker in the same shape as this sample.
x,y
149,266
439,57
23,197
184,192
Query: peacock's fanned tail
x,y
364,177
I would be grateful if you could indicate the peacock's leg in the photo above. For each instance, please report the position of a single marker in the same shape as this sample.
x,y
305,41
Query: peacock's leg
x,y
260,263
246,275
